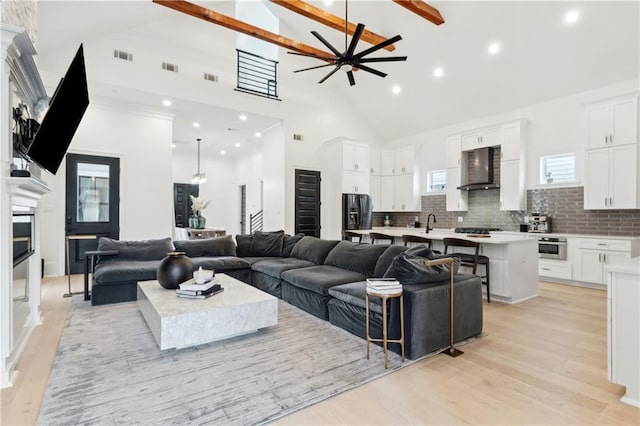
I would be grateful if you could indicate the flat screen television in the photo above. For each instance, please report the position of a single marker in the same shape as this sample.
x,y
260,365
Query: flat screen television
x,y
66,109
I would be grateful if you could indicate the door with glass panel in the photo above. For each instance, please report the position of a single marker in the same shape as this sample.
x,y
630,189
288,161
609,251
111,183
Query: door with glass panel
x,y
92,205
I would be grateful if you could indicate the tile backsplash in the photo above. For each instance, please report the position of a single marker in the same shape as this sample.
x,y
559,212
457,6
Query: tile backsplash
x,y
564,205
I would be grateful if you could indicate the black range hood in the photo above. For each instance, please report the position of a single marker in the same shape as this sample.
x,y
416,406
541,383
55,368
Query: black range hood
x,y
481,171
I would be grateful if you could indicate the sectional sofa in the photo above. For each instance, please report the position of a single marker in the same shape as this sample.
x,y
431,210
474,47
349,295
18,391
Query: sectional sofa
x,y
325,278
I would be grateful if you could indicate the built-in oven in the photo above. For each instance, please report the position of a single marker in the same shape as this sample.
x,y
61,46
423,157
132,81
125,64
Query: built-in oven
x,y
552,248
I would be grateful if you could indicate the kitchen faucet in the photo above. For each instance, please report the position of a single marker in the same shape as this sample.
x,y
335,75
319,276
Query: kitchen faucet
x,y
428,219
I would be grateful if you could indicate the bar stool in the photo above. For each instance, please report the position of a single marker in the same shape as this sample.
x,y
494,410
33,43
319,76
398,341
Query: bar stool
x,y
420,240
385,338
349,236
470,260
378,236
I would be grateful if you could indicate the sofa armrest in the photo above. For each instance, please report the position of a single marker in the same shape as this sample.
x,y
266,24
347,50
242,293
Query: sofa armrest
x,y
90,265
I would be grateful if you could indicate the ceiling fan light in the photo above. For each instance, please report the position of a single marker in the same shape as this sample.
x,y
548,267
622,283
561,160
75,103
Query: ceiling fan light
x,y
346,67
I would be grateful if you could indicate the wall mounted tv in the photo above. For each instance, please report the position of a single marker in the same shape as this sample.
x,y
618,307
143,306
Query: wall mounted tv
x,y
66,109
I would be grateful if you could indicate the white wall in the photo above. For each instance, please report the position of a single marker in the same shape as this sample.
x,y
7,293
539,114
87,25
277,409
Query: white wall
x,y
555,127
249,172
143,144
220,187
274,179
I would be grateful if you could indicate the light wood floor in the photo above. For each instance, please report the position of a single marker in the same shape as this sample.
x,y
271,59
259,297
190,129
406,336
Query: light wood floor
x,y
543,361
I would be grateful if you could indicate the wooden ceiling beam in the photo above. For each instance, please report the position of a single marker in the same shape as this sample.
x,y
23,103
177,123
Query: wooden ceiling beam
x,y
422,9
241,27
330,20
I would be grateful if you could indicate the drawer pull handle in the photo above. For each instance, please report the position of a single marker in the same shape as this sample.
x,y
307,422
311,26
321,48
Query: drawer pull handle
x,y
546,269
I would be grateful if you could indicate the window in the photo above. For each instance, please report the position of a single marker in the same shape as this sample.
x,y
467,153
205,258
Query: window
x,y
436,181
560,168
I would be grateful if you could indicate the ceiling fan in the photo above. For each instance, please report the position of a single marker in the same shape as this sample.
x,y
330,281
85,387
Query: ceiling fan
x,y
349,60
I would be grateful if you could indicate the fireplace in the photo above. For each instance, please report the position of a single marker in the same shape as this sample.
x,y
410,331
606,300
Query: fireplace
x,y
23,233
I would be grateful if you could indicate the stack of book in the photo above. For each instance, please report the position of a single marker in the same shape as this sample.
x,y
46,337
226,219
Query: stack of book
x,y
191,290
383,285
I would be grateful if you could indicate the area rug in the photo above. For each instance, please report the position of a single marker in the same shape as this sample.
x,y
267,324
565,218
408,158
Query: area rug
x,y
109,370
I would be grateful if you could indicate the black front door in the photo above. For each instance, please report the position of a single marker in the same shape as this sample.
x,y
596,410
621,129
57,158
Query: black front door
x,y
307,202
92,205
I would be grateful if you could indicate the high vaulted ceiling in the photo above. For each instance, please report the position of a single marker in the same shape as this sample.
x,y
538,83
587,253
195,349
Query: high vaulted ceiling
x,y
542,58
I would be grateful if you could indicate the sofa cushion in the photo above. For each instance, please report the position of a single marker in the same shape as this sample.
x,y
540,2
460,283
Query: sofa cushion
x,y
319,279
135,250
412,270
384,261
275,267
354,294
421,250
243,245
289,242
118,272
220,264
313,249
207,247
267,243
253,260
355,257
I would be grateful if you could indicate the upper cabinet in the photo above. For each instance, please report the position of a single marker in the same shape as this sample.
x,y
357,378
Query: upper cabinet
x,y
393,182
612,123
387,162
404,160
374,162
355,157
512,147
454,151
611,156
482,138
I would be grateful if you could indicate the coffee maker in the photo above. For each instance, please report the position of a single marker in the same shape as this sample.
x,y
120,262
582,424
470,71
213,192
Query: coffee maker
x,y
538,223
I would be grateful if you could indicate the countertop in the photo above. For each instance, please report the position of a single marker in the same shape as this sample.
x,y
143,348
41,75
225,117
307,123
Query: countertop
x,y
628,266
553,234
441,233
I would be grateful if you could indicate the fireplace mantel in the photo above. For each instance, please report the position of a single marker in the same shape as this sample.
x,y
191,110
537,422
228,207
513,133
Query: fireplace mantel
x,y
26,192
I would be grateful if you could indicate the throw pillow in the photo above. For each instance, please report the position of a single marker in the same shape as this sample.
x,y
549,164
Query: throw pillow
x,y
384,261
289,242
421,250
355,257
243,245
412,270
313,249
267,244
207,247
136,250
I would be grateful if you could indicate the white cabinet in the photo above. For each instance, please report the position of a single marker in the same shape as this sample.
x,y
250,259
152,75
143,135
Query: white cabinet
x,y
611,178
387,193
512,188
612,123
387,162
554,269
512,142
355,183
374,162
404,160
454,151
481,139
396,187
594,254
457,200
355,157
375,192
406,198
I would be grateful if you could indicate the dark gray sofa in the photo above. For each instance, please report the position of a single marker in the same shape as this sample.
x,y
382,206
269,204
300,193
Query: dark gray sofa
x,y
322,277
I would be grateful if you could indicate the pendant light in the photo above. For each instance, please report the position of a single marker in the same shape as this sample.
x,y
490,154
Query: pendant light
x,y
198,178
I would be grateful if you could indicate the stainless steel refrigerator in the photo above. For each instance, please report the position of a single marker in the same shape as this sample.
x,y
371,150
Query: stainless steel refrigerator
x,y
356,211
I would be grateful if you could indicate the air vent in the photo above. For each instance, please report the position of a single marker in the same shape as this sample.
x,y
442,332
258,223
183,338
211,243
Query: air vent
x,y
297,137
232,129
169,67
211,77
121,54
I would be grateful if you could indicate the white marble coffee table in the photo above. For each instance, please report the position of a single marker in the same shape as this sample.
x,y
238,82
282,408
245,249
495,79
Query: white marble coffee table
x,y
176,322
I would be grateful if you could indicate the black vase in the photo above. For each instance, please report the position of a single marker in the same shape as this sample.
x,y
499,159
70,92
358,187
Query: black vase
x,y
174,269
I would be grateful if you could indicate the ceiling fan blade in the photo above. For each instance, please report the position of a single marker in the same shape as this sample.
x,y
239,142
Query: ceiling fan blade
x,y
326,43
329,75
372,71
324,58
378,46
390,59
352,81
354,40
313,68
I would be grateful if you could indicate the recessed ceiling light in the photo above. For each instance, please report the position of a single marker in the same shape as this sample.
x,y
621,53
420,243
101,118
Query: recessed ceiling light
x,y
223,152
173,145
396,89
328,3
237,145
196,124
438,72
166,102
494,48
257,134
571,16
243,117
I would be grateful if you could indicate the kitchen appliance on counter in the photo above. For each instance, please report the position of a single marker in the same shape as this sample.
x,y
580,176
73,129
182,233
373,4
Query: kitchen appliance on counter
x,y
477,230
356,211
552,248
538,223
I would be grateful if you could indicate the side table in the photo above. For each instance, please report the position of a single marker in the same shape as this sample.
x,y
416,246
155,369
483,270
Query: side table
x,y
384,296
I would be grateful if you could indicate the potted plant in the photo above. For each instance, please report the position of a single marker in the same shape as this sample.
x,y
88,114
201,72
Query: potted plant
x,y
197,221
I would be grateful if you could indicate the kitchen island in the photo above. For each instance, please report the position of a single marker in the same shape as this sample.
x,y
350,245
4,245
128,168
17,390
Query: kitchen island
x,y
513,258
